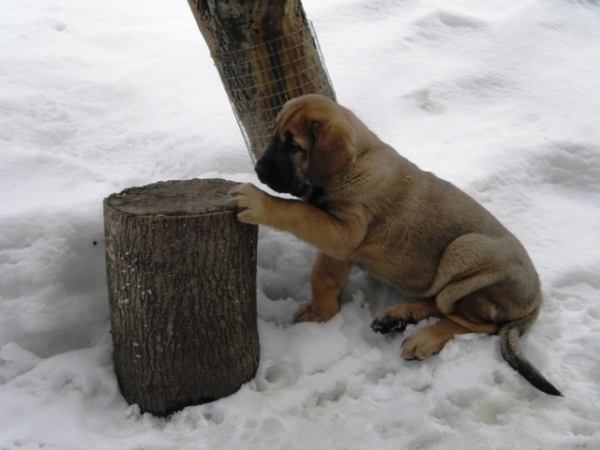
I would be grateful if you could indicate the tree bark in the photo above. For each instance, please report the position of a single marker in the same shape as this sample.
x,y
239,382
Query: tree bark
x,y
266,54
181,274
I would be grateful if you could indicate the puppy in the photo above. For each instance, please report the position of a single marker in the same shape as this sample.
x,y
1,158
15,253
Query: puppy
x,y
364,204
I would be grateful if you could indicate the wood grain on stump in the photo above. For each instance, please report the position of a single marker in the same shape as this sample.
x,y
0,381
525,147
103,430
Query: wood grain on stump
x,y
181,273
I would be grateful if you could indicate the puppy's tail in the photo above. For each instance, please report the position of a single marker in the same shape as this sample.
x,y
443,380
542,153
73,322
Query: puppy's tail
x,y
509,345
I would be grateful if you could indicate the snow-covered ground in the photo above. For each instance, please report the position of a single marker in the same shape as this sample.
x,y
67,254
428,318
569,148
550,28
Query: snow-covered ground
x,y
500,97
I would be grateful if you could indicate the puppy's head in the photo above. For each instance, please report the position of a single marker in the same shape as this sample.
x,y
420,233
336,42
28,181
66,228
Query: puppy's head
x,y
313,142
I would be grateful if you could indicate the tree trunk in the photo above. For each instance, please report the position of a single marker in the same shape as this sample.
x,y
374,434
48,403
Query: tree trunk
x,y
266,53
181,274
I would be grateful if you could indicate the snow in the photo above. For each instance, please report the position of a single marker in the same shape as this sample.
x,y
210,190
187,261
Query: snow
x,y
500,98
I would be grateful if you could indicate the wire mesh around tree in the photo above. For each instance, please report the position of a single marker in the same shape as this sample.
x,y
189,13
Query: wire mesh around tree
x,y
261,78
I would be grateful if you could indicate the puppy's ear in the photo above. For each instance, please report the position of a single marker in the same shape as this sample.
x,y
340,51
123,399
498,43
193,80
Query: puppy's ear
x,y
333,151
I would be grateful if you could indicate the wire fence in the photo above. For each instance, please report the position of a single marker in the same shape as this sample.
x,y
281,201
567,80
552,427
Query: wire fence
x,y
261,78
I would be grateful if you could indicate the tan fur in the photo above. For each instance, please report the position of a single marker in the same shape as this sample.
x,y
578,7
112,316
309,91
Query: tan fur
x,y
368,205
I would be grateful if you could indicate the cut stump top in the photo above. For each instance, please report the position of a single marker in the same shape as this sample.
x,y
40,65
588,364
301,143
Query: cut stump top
x,y
174,198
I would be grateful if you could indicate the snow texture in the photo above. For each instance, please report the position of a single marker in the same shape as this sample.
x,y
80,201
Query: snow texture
x,y
500,98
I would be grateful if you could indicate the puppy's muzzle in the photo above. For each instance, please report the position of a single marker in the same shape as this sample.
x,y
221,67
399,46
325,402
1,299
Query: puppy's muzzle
x,y
276,171
263,172
268,174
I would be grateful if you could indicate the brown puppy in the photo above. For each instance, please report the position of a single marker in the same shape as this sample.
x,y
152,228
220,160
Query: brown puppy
x,y
365,204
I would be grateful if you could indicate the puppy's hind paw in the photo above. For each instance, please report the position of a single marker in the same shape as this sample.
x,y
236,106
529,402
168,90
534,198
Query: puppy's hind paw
x,y
397,317
388,324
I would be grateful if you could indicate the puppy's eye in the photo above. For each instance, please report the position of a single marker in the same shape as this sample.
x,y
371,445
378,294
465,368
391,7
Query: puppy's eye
x,y
295,149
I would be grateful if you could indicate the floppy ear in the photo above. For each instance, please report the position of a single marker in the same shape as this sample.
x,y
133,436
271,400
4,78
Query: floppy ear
x,y
333,151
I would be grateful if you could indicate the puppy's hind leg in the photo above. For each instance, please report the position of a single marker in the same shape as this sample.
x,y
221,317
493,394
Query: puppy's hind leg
x,y
470,263
430,340
396,317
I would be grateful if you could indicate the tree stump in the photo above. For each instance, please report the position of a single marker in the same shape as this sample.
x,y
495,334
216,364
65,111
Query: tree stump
x,y
266,53
181,273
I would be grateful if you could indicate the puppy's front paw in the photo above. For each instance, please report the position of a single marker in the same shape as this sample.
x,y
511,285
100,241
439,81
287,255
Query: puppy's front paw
x,y
249,201
309,314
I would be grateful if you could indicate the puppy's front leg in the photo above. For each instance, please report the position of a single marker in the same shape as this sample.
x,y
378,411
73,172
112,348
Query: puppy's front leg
x,y
335,233
327,280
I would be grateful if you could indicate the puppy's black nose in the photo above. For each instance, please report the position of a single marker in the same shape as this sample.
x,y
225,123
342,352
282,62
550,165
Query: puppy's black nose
x,y
262,171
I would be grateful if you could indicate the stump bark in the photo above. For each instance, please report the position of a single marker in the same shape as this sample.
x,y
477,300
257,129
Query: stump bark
x,y
266,53
181,274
